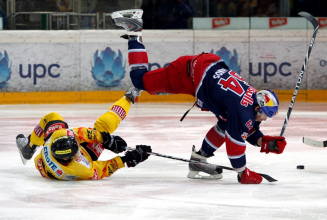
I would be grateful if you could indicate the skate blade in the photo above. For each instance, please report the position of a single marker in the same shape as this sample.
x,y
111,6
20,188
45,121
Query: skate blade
x,y
197,175
21,156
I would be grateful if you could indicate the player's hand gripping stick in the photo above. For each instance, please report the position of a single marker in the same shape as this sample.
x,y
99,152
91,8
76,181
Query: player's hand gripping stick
x,y
208,165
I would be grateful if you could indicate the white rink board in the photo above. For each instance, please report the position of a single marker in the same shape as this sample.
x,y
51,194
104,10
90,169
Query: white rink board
x,y
63,60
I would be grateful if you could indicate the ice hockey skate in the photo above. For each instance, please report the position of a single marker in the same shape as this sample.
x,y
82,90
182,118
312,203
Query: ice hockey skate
x,y
131,20
25,151
132,93
196,168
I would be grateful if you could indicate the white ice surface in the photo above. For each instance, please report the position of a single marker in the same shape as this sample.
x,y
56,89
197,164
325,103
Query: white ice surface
x,y
158,188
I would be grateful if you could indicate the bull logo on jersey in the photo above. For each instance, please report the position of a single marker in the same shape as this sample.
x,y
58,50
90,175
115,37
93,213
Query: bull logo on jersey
x,y
230,59
5,69
108,69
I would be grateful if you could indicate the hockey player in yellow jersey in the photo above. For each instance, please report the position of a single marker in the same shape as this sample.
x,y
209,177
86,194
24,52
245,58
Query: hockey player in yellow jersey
x,y
72,153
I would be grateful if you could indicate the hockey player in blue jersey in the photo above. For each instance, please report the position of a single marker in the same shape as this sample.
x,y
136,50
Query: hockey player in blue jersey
x,y
238,107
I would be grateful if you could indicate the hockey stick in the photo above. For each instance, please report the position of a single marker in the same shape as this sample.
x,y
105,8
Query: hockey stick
x,y
208,165
314,143
315,24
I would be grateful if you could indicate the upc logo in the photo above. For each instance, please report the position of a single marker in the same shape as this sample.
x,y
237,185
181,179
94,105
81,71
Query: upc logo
x,y
108,69
219,22
230,58
5,69
322,22
276,22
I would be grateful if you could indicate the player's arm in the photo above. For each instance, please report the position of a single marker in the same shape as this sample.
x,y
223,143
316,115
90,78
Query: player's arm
x,y
236,134
110,142
268,144
131,159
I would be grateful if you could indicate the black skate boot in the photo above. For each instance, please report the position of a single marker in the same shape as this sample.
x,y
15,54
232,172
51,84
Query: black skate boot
x,y
196,168
26,152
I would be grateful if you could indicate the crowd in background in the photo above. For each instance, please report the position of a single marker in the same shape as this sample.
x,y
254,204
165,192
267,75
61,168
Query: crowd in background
x,y
177,14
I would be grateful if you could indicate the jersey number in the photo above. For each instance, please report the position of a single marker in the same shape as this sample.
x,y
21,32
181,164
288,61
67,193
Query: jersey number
x,y
231,84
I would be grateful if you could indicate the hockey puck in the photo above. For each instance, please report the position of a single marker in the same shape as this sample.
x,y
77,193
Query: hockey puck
x,y
300,167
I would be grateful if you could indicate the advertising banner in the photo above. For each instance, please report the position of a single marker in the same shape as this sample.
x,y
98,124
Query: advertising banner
x,y
98,60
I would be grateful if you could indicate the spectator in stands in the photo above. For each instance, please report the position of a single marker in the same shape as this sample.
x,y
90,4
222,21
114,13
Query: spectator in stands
x,y
243,8
151,18
175,13
4,18
64,5
273,9
226,8
106,6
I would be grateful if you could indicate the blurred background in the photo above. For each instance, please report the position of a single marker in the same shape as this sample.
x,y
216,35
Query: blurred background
x,y
158,14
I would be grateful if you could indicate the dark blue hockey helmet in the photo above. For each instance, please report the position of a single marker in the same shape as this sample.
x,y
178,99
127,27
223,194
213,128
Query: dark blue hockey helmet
x,y
268,102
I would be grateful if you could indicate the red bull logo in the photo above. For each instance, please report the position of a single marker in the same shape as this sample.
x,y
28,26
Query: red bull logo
x,y
244,135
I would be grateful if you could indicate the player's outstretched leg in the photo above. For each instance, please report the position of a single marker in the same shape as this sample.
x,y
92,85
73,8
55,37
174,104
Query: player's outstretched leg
x,y
195,169
131,20
132,93
26,152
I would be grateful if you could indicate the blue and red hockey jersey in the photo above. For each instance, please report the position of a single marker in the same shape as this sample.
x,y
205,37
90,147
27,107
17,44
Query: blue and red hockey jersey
x,y
231,99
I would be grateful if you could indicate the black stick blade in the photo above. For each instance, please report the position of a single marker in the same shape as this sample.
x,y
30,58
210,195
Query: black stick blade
x,y
268,178
310,18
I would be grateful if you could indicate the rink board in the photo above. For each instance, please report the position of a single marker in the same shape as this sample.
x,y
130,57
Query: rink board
x,y
81,63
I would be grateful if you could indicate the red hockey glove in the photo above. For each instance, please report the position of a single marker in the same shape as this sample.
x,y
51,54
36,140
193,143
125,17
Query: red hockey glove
x,y
273,144
249,177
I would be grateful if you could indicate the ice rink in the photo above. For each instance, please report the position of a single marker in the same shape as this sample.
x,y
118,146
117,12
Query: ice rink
x,y
158,188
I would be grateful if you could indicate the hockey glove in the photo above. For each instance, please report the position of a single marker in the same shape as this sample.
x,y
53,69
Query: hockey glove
x,y
273,144
114,143
134,157
249,177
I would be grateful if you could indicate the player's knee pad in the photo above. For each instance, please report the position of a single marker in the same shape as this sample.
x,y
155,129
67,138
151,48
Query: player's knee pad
x,y
137,77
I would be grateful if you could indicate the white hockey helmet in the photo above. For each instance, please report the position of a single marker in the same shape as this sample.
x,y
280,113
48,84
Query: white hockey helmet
x,y
268,102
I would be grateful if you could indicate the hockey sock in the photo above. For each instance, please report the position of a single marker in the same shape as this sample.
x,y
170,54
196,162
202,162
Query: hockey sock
x,y
212,141
138,62
137,56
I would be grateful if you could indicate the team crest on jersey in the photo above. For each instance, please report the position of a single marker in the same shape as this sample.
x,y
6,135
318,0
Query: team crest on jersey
x,y
244,135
